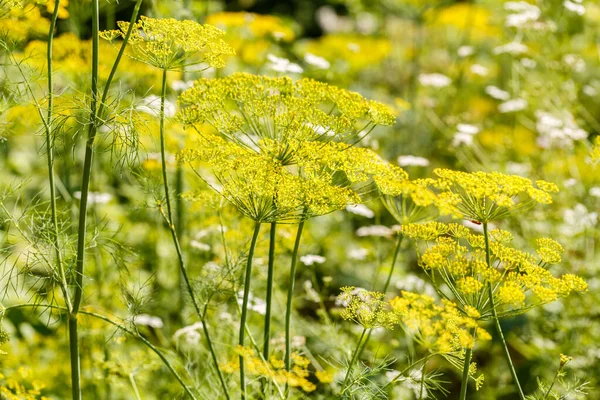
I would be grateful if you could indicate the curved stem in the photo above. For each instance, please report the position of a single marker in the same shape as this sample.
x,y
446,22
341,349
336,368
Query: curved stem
x,y
269,299
247,280
511,366
290,297
169,220
353,360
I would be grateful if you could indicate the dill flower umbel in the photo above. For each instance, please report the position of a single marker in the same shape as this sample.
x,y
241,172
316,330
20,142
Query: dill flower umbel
x,y
487,196
440,328
277,116
170,44
367,309
519,280
262,189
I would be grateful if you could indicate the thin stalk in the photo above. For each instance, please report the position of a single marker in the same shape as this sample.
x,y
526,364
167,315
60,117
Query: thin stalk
x,y
50,159
270,274
353,360
81,233
85,187
134,386
511,366
552,384
385,286
290,297
247,279
119,326
465,376
169,220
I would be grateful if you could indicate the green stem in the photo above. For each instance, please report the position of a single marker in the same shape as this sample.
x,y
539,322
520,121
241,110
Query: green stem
x,y
353,360
50,160
465,376
269,300
134,386
423,378
552,384
247,280
385,286
511,366
169,220
290,297
85,187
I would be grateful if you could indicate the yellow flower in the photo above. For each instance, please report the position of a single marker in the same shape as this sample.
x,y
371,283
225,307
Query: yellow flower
x,y
486,196
170,44
368,309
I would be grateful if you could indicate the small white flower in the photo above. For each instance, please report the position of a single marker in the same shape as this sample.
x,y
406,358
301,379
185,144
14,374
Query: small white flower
x,y
311,293
412,161
283,65
255,304
595,191
360,209
358,254
180,86
513,105
558,129
316,61
514,48
434,80
374,230
311,259
148,320
479,69
468,128
528,63
461,138
497,93
590,91
190,333
151,105
570,182
95,197
199,245
578,9
465,51
523,13
577,219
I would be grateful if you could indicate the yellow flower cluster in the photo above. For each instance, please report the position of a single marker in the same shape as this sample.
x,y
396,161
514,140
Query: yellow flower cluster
x,y
20,23
170,44
457,257
253,25
280,113
367,309
274,369
263,189
353,52
440,328
486,196
13,388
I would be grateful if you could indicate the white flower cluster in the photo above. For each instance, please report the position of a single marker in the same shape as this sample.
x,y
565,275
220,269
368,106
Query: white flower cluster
x,y
558,129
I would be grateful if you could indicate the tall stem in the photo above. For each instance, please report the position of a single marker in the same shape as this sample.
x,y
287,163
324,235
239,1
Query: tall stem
x,y
270,274
290,298
81,233
465,375
511,367
175,238
247,279
50,160
385,287
353,360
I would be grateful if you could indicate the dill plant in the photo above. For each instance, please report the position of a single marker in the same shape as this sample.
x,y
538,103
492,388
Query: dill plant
x,y
282,151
